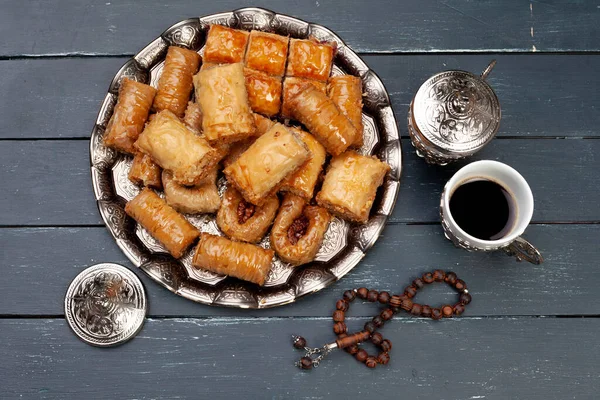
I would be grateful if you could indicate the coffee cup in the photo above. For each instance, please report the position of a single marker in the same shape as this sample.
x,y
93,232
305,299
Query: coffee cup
x,y
486,206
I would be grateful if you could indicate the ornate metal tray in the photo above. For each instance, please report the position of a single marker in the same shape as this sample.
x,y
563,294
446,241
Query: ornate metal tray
x,y
345,244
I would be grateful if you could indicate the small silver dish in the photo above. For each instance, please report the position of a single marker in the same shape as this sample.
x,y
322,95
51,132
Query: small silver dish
x,y
106,305
453,115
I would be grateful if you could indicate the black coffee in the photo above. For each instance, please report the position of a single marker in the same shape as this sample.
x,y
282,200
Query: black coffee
x,y
483,209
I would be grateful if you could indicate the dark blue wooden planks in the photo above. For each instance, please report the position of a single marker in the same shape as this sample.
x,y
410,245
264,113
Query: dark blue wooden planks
x,y
540,95
39,263
522,337
58,98
124,27
482,358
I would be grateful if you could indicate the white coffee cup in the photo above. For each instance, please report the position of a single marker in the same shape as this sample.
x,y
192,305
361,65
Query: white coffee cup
x,y
518,189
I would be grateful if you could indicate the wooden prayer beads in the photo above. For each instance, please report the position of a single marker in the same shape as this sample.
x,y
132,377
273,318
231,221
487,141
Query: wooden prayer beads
x,y
350,342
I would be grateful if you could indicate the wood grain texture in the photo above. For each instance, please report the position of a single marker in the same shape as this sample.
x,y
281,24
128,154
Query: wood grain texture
x,y
121,27
44,261
48,182
534,101
485,358
56,98
531,331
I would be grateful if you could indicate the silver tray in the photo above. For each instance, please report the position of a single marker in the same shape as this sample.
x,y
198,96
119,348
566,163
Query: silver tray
x,y
345,244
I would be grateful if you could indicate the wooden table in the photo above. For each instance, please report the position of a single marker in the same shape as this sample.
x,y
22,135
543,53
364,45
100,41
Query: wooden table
x,y
531,331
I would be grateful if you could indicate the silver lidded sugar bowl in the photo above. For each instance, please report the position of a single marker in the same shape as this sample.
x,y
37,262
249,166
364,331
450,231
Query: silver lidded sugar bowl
x,y
453,115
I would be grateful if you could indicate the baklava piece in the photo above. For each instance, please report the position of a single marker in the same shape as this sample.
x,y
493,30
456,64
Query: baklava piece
x,y
351,184
240,260
244,221
298,230
162,222
275,155
176,148
225,45
129,116
223,99
267,52
310,59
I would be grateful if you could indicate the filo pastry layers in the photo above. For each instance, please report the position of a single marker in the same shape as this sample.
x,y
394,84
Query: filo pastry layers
x,y
264,92
351,184
202,198
176,148
258,172
263,124
129,116
303,181
240,260
346,93
323,119
291,87
175,83
225,45
145,172
267,52
162,222
193,116
223,99
310,59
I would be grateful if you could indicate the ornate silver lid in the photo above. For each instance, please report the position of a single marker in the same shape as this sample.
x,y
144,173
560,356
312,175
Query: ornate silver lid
x,y
105,305
453,115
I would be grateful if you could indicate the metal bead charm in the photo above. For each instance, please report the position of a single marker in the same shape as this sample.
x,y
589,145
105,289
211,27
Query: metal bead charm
x,y
306,363
299,342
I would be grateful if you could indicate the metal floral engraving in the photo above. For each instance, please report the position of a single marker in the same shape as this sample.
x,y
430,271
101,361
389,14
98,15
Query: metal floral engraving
x,y
456,110
336,238
102,302
453,115
185,33
254,18
105,304
124,187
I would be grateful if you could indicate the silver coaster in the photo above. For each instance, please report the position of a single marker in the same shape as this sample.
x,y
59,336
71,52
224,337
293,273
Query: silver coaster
x,y
105,305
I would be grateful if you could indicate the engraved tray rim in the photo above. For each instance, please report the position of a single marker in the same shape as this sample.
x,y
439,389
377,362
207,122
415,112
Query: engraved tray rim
x,y
231,292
